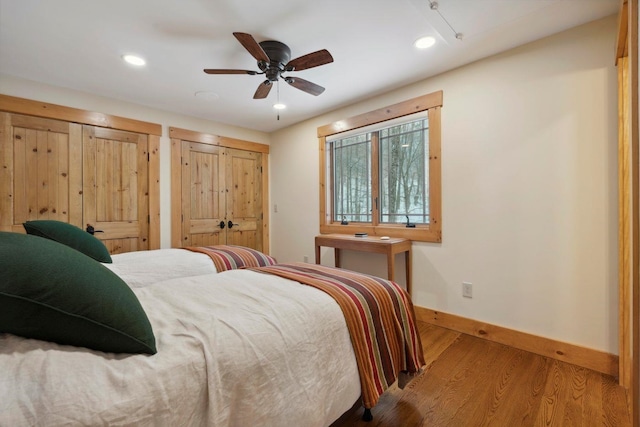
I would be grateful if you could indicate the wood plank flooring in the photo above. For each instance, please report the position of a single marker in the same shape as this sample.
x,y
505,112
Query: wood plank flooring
x,y
474,382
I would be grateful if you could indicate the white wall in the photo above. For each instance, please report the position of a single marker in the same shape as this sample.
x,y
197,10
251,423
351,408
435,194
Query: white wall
x,y
529,184
40,92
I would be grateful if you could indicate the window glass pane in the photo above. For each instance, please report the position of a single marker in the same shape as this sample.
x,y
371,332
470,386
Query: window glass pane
x,y
352,178
404,173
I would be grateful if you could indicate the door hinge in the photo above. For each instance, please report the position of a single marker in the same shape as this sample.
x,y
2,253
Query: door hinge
x,y
262,215
148,156
148,219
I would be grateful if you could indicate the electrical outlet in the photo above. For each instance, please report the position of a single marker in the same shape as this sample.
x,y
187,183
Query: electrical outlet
x,y
305,258
275,208
467,290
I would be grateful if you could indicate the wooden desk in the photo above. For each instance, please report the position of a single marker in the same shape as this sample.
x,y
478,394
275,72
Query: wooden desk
x,y
390,247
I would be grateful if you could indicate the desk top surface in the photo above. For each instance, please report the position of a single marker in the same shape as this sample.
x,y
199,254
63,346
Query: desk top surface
x,y
351,238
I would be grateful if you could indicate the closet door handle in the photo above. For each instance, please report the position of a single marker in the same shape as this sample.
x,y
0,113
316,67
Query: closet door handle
x,y
92,230
230,224
221,224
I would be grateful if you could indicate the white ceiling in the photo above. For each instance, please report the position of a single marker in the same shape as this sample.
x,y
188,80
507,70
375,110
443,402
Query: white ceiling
x,y
78,44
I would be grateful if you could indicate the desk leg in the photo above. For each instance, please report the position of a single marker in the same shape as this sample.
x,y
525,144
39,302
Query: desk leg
x,y
336,254
407,266
391,266
318,254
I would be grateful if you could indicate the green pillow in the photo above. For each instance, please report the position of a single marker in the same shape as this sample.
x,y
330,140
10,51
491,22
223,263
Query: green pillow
x,y
51,292
69,235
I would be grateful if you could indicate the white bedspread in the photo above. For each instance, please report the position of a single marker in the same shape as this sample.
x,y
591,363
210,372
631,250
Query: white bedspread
x,y
237,348
144,268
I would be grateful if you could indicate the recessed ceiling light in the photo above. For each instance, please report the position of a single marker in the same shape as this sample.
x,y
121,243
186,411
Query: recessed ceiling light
x,y
279,106
424,42
206,94
134,60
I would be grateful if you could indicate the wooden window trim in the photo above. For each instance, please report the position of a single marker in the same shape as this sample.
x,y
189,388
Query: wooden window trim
x,y
431,232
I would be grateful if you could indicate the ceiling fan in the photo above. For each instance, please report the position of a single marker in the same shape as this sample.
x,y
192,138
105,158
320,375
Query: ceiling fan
x,y
273,61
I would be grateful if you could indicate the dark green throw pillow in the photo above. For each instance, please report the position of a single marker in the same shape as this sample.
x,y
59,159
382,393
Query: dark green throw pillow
x,y
69,235
51,292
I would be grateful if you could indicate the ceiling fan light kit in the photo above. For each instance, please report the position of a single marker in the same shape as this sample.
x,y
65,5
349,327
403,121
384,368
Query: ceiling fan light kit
x,y
273,59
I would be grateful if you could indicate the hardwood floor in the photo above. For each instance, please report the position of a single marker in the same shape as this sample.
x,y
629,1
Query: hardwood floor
x,y
473,382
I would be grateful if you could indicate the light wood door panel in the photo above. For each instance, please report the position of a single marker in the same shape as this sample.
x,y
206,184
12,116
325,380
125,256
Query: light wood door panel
x,y
115,187
218,179
41,171
244,198
203,194
208,239
220,185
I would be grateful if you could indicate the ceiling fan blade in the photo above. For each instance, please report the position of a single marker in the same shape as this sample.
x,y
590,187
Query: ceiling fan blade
x,y
304,85
263,90
310,60
252,46
216,71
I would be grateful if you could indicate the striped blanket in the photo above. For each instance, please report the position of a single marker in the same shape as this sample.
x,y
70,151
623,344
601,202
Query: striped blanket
x,y
380,319
229,257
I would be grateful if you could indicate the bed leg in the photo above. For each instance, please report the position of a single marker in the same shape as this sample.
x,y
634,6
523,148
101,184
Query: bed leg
x,y
367,415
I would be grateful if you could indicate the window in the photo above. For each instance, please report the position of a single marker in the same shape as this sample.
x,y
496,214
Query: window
x,y
352,178
382,177
402,169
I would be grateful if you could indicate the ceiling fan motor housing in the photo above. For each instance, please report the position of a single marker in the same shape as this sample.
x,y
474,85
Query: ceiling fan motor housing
x,y
279,54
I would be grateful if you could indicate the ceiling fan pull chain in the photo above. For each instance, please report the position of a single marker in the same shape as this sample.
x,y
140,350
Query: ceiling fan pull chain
x,y
278,98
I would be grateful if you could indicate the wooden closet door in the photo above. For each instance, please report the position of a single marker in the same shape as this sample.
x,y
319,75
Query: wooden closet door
x,y
115,187
40,171
244,198
203,194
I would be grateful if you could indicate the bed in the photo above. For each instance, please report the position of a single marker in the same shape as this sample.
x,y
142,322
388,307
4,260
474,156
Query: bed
x,y
143,268
231,348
